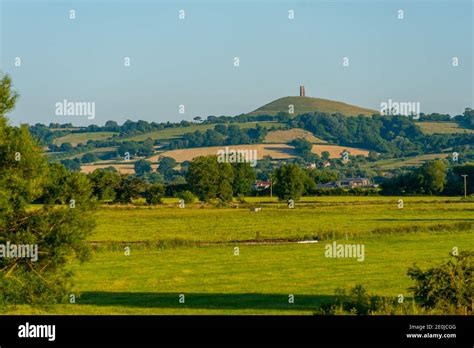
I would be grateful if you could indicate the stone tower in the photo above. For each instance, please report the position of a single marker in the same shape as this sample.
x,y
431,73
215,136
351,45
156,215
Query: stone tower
x,y
302,91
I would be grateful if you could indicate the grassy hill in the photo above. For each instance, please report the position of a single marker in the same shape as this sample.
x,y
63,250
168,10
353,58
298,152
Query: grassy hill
x,y
308,104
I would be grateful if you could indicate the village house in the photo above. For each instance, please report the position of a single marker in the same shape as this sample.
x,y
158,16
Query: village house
x,y
348,183
262,185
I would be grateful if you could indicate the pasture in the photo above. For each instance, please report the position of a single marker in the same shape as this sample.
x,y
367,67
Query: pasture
x,y
192,251
442,128
78,138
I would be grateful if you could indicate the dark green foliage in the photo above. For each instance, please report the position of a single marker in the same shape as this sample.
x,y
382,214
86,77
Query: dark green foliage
x,y
73,165
142,166
447,287
166,168
154,194
133,149
210,179
58,231
303,148
65,147
62,186
429,179
244,177
186,196
104,184
221,135
129,188
289,182
89,158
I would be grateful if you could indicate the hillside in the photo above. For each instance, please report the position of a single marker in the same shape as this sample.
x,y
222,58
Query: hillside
x,y
308,104
443,128
286,136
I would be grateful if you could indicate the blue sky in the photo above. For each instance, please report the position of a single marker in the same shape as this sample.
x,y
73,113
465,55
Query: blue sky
x,y
190,62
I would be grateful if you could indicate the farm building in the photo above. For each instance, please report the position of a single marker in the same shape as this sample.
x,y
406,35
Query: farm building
x,y
348,183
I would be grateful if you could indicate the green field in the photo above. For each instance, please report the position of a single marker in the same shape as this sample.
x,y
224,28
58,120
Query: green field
x,y
172,133
191,251
442,128
415,161
77,138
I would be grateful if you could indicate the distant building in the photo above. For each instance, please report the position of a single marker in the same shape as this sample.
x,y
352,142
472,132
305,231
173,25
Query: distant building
x,y
302,94
311,166
353,182
262,185
349,183
326,164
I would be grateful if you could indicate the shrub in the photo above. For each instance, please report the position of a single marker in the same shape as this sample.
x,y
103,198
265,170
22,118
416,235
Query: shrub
x,y
447,287
154,194
187,196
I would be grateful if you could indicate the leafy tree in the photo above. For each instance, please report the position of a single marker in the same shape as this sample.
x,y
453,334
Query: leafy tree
x,y
129,189
104,183
89,157
64,187
154,194
73,165
58,231
244,177
142,167
166,168
210,179
433,176
430,178
66,147
289,182
153,178
303,148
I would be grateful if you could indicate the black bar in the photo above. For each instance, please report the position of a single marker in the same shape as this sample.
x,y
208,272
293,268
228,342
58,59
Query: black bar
x,y
261,330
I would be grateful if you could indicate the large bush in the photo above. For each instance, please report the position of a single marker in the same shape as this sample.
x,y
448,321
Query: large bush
x,y
447,287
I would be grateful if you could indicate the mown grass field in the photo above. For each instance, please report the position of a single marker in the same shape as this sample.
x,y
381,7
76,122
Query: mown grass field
x,y
191,251
77,138
415,161
442,128
312,217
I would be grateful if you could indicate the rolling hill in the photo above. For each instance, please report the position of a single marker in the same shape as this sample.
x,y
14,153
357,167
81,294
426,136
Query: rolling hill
x,y
308,104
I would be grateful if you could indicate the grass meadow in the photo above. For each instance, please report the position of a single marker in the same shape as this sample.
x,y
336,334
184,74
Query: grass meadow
x,y
191,251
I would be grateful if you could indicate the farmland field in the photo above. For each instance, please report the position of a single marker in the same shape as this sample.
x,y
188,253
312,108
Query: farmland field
x,y
415,161
77,138
442,128
286,136
191,251
276,151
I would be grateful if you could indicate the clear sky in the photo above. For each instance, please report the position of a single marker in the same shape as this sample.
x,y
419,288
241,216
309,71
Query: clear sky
x,y
190,62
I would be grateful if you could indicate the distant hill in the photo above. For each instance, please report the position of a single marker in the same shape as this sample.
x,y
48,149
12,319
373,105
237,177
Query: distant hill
x,y
308,104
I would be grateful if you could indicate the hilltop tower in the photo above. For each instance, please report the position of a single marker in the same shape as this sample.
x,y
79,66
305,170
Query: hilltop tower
x,y
302,91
